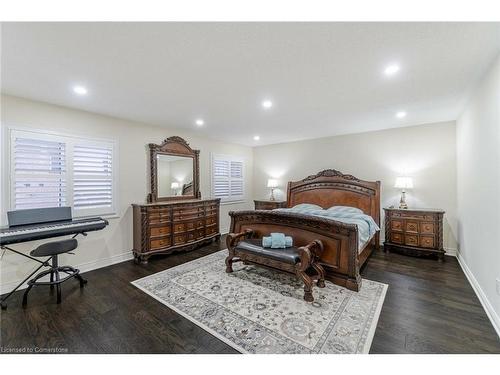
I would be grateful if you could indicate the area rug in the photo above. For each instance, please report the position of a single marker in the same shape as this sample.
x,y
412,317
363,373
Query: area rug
x,y
257,310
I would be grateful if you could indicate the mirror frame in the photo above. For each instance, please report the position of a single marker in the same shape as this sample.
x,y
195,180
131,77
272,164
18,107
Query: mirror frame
x,y
175,146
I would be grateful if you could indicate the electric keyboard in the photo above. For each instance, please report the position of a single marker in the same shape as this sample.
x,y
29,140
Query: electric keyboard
x,y
37,224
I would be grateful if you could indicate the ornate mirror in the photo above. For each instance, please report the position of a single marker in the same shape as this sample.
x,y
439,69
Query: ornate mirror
x,y
174,171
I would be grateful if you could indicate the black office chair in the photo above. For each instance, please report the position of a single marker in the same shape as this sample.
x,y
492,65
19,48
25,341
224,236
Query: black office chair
x,y
53,249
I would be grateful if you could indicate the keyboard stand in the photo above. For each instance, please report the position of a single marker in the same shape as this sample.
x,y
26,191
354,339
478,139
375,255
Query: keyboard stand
x,y
45,263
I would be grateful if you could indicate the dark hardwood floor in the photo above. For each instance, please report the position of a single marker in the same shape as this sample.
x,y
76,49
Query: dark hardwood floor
x,y
429,308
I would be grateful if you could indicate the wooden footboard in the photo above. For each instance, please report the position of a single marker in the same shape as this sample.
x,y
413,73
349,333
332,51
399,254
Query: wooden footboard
x,y
340,241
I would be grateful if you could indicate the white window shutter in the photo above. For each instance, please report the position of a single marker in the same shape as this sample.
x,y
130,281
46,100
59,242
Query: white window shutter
x,y
49,170
227,178
39,173
92,177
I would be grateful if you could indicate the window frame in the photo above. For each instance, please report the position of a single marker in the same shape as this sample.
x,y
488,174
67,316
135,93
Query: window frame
x,y
229,158
70,141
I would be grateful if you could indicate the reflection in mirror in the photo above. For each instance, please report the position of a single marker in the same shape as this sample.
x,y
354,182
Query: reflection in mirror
x,y
175,175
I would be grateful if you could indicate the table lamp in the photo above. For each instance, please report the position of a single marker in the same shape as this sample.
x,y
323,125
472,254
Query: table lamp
x,y
271,183
403,183
174,186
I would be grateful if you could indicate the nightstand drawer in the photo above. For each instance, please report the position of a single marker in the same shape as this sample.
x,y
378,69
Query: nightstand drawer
x,y
411,226
427,241
411,240
396,238
427,228
397,225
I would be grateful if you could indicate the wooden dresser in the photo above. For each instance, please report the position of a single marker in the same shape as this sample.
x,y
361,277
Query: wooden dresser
x,y
414,231
165,227
269,205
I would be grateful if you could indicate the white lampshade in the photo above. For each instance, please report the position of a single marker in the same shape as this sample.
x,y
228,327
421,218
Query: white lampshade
x,y
175,185
272,183
404,183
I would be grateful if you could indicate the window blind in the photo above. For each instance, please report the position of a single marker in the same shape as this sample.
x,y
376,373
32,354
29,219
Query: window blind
x,y
228,183
39,173
48,170
92,177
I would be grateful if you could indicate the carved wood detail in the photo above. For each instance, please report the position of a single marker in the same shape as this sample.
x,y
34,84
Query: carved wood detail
x,y
174,226
309,256
175,146
404,232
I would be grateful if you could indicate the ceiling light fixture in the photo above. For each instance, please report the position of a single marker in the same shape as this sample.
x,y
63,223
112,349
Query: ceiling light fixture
x,y
267,104
80,90
391,69
200,122
401,114
256,137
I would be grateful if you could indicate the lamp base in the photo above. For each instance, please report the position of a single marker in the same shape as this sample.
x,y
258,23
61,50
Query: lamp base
x,y
271,198
402,201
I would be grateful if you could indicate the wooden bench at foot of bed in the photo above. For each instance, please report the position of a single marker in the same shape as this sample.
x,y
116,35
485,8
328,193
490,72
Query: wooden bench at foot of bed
x,y
301,261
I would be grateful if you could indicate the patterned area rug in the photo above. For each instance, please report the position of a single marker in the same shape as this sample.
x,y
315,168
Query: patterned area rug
x,y
257,310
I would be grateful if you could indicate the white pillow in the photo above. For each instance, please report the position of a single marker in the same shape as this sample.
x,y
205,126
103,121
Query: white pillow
x,y
307,206
345,209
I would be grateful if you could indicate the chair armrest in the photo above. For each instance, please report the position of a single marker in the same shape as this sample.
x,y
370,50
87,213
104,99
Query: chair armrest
x,y
232,239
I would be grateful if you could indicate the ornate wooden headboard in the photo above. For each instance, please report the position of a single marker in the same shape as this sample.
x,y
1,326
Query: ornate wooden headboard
x,y
333,188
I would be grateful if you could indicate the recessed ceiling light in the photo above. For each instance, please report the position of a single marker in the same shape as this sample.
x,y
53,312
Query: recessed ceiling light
x,y
256,137
267,104
401,114
200,122
80,90
391,69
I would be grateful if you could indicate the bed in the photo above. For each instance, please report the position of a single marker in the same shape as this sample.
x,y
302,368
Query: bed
x,y
342,255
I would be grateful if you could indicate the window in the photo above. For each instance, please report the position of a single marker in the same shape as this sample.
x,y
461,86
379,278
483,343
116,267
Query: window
x,y
55,171
227,178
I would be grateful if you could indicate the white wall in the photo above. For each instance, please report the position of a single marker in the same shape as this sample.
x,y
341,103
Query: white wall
x,y
425,152
478,177
115,242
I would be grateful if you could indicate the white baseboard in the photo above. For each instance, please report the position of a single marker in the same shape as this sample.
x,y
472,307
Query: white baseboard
x,y
83,267
492,314
450,251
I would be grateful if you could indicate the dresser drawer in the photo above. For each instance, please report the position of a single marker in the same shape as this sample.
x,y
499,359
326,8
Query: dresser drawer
x,y
179,228
211,220
427,228
156,219
179,239
397,225
411,226
211,230
160,231
411,240
412,215
200,233
212,206
157,244
191,225
427,241
190,236
396,237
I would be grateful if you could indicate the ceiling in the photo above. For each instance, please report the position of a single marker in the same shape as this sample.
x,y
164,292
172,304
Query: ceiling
x,y
323,78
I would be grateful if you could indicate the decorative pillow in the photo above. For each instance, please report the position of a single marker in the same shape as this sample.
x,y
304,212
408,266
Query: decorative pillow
x,y
306,206
345,209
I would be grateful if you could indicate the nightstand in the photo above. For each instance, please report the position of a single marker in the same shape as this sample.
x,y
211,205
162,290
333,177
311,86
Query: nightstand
x,y
414,231
269,205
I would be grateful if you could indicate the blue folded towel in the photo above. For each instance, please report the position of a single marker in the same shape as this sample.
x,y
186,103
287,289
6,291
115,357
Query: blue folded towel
x,y
268,241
